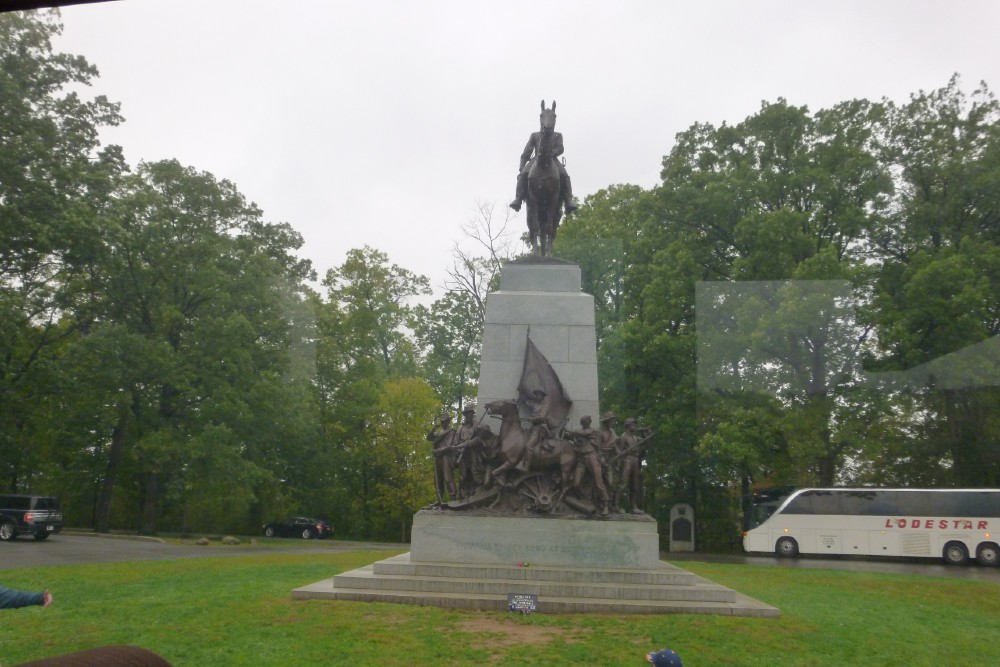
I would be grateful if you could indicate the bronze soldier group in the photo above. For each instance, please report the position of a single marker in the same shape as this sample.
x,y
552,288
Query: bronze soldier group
x,y
606,471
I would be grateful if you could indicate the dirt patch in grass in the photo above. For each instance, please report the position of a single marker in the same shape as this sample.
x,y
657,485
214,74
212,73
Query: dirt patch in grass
x,y
502,633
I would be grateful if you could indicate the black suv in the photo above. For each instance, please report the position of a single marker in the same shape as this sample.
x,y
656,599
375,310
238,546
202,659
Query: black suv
x,y
38,515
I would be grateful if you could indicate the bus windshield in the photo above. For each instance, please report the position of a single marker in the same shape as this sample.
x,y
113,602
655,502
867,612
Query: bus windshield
x,y
763,503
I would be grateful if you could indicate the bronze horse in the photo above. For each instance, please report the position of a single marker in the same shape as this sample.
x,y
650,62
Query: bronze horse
x,y
513,440
544,196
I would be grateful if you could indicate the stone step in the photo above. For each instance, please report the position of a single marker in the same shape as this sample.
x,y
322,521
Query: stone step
x,y
742,606
367,578
666,575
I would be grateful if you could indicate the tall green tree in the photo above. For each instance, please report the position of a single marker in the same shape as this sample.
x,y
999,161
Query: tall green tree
x,y
940,280
784,196
450,333
401,452
55,181
365,341
192,321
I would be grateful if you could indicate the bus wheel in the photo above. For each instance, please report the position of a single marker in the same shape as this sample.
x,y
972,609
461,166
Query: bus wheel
x,y
787,547
955,553
988,554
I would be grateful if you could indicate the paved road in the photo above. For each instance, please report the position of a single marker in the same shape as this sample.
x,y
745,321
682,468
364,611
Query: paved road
x,y
917,566
75,549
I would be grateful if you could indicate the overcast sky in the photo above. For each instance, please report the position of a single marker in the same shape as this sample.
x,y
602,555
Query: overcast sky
x,y
385,123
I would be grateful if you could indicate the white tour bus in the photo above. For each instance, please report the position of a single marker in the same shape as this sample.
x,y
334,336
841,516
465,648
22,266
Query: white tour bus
x,y
952,524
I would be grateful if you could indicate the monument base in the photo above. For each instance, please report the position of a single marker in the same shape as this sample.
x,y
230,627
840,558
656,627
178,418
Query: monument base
x,y
449,537
664,589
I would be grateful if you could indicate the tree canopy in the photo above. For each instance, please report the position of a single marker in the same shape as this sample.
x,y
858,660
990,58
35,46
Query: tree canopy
x,y
777,293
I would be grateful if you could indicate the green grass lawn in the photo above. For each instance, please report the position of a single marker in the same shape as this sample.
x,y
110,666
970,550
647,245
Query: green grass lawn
x,y
239,611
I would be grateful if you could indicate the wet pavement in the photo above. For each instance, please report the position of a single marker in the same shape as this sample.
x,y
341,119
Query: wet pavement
x,y
917,566
69,549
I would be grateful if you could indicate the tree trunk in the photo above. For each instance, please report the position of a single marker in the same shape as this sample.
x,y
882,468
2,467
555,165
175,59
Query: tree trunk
x,y
118,437
150,503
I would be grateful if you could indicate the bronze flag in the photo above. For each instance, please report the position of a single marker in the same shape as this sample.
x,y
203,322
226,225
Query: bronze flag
x,y
536,375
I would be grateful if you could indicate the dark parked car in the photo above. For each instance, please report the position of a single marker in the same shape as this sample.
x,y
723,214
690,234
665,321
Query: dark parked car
x,y
37,515
298,526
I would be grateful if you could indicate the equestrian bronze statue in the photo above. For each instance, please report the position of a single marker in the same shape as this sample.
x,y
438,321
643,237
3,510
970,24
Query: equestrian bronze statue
x,y
542,181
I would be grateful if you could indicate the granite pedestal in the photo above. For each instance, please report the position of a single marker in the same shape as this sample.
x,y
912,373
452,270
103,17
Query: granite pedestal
x,y
543,298
451,537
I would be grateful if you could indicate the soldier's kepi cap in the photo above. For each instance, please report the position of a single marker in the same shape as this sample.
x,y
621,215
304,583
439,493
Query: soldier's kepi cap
x,y
470,407
444,415
630,420
608,416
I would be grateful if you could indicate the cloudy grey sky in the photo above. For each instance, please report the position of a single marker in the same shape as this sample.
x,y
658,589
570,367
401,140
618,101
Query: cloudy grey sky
x,y
385,122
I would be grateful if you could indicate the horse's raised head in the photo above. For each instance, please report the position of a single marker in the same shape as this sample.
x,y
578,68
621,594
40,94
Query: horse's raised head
x,y
500,406
547,119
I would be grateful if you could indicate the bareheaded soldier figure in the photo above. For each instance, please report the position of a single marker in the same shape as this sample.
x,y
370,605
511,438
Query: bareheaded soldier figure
x,y
470,459
585,444
444,438
629,442
607,450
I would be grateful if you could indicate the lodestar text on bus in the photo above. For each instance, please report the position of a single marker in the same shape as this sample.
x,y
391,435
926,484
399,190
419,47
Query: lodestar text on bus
x,y
941,524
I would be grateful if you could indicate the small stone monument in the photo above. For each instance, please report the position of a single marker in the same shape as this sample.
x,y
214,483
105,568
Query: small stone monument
x,y
681,528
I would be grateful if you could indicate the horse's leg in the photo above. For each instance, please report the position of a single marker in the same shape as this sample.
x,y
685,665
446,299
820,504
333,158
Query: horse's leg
x,y
541,233
556,217
533,231
549,224
507,465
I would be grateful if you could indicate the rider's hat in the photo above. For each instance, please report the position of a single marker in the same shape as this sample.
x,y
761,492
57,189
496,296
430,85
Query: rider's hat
x,y
444,415
469,407
608,416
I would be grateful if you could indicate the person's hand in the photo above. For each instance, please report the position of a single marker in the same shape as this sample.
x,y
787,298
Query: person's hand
x,y
47,599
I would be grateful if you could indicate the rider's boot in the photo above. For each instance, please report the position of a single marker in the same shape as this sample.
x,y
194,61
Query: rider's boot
x,y
567,189
520,191
604,508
